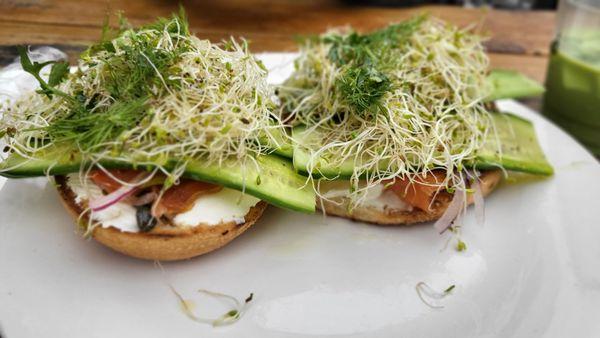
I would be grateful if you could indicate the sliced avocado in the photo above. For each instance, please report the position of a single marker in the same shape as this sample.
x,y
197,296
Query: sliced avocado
x,y
273,179
509,84
520,150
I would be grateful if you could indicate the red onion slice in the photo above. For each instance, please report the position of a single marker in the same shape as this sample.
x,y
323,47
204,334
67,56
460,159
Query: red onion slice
x,y
451,213
478,201
106,201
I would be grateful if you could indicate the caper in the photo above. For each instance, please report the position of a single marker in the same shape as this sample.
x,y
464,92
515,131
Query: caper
x,y
145,220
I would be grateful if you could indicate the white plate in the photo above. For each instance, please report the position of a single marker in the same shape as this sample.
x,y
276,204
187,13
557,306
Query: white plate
x,y
532,270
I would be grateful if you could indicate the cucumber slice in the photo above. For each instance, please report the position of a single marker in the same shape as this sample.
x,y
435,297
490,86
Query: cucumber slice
x,y
520,150
508,84
284,150
301,158
505,84
274,180
518,144
280,144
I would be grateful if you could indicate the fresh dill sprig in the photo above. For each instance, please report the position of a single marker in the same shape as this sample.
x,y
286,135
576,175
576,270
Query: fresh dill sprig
x,y
134,65
396,103
363,59
152,94
362,87
91,129
372,48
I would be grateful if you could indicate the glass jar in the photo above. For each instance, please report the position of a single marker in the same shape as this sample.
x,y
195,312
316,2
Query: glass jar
x,y
572,97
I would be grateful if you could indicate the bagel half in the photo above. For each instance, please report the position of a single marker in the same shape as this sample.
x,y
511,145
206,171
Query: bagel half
x,y
339,207
165,244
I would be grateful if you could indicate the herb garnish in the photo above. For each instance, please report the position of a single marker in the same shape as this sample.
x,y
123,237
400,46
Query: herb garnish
x,y
133,67
364,58
58,73
399,102
150,95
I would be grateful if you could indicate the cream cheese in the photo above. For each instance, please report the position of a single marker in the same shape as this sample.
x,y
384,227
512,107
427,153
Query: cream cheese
x,y
224,206
376,197
119,215
227,205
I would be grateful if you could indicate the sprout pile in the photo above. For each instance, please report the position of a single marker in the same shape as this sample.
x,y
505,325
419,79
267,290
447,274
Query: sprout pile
x,y
148,95
398,102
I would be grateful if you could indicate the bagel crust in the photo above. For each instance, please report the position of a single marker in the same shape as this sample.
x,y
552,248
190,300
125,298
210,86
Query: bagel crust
x,y
489,181
162,243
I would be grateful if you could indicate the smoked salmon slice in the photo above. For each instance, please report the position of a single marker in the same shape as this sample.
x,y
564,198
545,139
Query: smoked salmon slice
x,y
107,183
177,199
181,197
421,191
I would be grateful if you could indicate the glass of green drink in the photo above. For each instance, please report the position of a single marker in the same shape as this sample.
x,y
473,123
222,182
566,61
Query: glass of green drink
x,y
572,97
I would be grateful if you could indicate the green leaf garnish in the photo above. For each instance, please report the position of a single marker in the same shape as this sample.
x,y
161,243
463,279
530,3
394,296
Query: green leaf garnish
x,y
57,74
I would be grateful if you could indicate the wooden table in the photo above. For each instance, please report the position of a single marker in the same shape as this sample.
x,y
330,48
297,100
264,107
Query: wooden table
x,y
517,40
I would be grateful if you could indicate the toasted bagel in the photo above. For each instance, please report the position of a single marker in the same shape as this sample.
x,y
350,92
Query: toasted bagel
x,y
339,207
160,243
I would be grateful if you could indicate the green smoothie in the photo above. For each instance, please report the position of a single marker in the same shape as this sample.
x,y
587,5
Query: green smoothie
x,y
572,96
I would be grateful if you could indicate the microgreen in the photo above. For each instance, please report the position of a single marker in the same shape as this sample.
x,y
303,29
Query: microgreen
x,y
362,87
363,59
398,102
91,129
460,245
431,297
152,95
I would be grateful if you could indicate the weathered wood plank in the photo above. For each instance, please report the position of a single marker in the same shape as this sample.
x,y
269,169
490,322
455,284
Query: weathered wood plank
x,y
510,31
517,40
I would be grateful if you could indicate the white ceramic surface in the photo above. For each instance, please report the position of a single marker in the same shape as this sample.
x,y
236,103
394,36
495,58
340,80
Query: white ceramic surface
x,y
532,270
